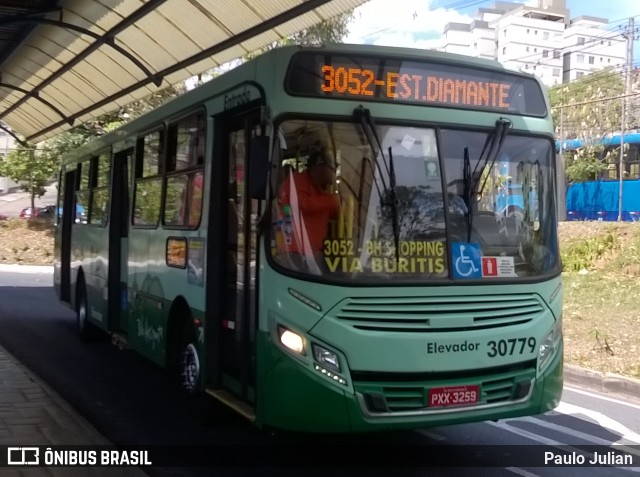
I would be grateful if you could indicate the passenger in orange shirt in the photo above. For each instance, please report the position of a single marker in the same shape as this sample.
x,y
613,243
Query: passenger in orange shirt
x,y
307,206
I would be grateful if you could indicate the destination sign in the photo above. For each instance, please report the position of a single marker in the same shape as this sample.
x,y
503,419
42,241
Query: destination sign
x,y
415,82
379,256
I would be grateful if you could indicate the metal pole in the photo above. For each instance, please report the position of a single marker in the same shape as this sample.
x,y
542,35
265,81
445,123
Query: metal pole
x,y
561,174
561,129
621,167
629,36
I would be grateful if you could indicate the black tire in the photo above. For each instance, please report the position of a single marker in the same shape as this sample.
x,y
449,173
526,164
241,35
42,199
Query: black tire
x,y
188,365
186,371
86,330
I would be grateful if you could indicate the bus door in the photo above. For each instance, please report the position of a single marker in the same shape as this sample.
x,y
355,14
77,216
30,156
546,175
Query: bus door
x,y
67,215
236,312
118,241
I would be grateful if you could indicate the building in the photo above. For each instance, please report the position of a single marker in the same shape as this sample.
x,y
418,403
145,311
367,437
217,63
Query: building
x,y
543,40
7,144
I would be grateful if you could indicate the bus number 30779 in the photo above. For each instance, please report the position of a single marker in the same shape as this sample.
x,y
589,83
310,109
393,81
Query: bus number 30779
x,y
511,346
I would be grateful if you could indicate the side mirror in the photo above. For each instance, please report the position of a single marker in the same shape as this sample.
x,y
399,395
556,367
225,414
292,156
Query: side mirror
x,y
258,167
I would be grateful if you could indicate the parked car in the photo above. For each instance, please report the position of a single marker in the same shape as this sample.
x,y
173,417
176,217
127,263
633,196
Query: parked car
x,y
3,217
46,212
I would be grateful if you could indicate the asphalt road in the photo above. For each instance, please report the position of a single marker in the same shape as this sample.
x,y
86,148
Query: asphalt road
x,y
11,204
130,401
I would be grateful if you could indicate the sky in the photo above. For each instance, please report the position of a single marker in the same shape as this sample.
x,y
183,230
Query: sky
x,y
420,23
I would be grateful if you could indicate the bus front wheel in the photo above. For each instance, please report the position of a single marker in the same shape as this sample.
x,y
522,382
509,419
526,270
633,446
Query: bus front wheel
x,y
185,365
187,373
189,367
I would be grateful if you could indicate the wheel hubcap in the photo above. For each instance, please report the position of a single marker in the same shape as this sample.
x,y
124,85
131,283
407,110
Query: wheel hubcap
x,y
190,368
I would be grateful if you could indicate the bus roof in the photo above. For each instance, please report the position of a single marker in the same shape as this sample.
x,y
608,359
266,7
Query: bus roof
x,y
282,55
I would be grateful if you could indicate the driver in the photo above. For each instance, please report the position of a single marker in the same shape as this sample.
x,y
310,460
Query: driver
x,y
307,206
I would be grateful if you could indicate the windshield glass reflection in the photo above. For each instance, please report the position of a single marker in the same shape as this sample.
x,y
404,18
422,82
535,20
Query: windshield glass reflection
x,y
343,211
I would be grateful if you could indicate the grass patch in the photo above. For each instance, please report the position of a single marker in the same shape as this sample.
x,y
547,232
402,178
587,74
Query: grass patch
x,y
601,322
628,260
584,254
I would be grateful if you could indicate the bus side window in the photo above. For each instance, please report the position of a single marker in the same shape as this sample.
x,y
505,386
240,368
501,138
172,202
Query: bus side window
x,y
185,178
183,203
82,193
148,182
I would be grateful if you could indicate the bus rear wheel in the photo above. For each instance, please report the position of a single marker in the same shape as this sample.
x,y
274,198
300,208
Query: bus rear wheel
x,y
86,330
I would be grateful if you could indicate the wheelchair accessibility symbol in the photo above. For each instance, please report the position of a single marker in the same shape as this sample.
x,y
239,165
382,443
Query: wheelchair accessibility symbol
x,y
467,258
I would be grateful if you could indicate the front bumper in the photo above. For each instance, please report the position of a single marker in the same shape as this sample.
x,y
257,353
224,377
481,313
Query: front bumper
x,y
292,397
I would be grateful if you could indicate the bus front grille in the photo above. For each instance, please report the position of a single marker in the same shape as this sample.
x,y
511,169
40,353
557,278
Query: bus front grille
x,y
439,313
501,388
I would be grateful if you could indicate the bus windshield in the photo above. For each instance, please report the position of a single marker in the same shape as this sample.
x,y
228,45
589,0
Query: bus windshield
x,y
348,207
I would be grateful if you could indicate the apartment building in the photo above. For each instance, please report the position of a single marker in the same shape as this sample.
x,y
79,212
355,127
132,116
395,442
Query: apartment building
x,y
543,40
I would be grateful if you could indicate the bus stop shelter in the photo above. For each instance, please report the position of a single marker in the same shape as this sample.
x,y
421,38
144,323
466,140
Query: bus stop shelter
x,y
64,62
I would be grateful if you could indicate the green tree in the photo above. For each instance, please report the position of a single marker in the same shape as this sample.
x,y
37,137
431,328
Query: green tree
x,y
54,149
332,30
109,122
31,168
585,164
586,113
68,141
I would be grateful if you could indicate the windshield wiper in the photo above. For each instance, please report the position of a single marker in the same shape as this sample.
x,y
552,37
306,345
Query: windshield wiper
x,y
499,135
388,199
466,179
364,118
394,205
490,152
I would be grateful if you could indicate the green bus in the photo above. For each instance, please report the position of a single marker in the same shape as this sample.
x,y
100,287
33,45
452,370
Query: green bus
x,y
421,303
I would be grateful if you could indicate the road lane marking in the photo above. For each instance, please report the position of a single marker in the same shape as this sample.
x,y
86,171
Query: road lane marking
x,y
601,419
552,442
505,426
521,472
431,435
565,430
604,398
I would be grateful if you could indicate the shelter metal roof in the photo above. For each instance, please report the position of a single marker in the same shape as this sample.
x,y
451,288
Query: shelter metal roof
x,y
63,62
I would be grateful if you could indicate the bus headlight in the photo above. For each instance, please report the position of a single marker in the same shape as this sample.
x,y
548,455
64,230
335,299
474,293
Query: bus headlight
x,y
291,340
327,363
326,358
549,344
546,347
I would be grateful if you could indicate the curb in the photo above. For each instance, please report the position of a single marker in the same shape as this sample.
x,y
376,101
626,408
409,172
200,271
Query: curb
x,y
14,268
605,382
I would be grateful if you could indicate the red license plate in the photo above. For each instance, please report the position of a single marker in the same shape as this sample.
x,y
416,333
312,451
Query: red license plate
x,y
454,396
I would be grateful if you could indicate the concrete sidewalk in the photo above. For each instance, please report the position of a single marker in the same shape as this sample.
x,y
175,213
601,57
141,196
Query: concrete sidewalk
x,y
31,413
